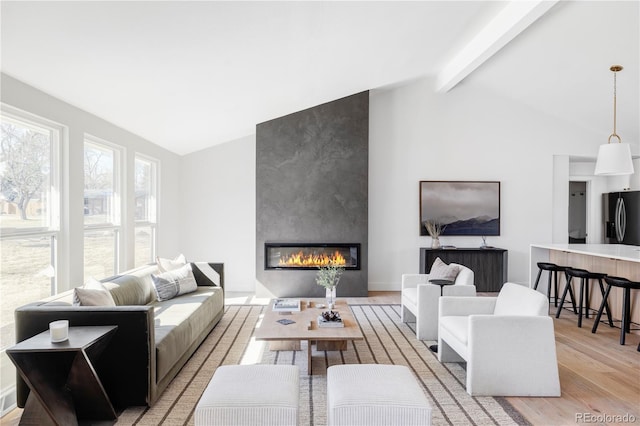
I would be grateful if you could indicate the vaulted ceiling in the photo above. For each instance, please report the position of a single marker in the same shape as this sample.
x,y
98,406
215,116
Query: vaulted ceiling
x,y
188,75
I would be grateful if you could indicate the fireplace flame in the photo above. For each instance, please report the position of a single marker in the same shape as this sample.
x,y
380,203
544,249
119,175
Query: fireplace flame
x,y
312,260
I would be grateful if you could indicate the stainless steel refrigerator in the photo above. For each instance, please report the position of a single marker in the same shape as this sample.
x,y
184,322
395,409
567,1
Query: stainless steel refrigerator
x,y
622,217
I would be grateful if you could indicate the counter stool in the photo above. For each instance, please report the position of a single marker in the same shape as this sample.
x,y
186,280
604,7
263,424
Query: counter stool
x,y
583,297
627,286
553,270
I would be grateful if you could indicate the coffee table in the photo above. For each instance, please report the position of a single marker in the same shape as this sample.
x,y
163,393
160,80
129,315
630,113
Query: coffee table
x,y
306,328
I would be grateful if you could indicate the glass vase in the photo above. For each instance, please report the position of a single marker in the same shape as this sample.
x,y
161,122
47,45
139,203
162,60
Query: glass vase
x,y
331,297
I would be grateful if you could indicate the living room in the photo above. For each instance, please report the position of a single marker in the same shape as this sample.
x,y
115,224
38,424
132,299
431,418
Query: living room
x,y
530,116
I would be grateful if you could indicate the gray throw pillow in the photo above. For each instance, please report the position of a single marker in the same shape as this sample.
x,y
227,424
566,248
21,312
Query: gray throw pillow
x,y
174,283
442,271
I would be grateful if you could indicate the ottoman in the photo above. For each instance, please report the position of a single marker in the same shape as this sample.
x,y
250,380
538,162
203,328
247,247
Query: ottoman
x,y
250,395
375,394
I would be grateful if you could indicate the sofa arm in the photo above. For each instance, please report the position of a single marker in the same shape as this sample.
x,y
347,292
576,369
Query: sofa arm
x,y
412,280
127,365
463,306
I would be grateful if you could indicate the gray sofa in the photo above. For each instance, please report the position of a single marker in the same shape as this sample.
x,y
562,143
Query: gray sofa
x,y
153,341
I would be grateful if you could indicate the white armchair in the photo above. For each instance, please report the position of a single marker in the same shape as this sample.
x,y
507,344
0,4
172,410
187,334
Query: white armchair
x,y
420,299
507,341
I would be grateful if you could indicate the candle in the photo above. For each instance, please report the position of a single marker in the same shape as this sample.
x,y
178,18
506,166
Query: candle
x,y
59,330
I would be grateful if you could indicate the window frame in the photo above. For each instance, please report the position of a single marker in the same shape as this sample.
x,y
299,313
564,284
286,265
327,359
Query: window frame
x,y
117,211
58,134
151,221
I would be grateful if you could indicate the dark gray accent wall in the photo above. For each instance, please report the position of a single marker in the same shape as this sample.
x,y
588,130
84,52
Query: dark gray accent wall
x,y
312,170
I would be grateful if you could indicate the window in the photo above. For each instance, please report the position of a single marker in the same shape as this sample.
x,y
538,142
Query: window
x,y
146,187
102,212
29,220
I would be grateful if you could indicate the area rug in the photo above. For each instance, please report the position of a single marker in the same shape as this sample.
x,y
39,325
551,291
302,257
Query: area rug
x,y
387,341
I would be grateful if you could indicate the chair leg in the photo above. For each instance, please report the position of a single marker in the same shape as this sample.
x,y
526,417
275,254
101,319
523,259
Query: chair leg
x,y
555,287
580,302
549,286
606,303
587,290
625,314
535,287
602,305
571,295
564,295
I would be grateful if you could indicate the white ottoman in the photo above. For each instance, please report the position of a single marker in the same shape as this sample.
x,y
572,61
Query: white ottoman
x,y
250,395
374,394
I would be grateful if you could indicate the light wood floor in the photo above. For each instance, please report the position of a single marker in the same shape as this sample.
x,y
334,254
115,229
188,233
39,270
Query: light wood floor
x,y
598,376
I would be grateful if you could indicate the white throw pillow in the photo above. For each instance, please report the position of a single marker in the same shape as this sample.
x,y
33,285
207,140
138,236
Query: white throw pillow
x,y
166,265
174,283
442,271
93,293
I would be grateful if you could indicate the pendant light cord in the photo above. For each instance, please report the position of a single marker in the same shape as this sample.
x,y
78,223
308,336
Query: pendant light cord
x,y
615,69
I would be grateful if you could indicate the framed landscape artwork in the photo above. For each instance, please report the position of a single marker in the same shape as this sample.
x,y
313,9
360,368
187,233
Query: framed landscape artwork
x,y
466,208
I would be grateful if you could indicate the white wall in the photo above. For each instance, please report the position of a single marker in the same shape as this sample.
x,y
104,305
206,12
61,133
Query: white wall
x,y
219,209
466,134
79,122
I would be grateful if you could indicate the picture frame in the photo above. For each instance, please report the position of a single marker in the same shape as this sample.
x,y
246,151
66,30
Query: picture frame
x,y
467,208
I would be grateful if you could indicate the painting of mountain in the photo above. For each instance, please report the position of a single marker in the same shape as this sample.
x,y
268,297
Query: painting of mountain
x,y
466,208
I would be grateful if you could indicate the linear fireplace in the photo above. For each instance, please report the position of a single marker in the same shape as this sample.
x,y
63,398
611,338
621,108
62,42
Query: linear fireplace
x,y
297,256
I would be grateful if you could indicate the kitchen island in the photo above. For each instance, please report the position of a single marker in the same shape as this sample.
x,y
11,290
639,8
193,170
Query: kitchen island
x,y
612,259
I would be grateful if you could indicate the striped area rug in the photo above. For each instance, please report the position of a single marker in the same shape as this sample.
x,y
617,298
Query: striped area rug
x,y
387,341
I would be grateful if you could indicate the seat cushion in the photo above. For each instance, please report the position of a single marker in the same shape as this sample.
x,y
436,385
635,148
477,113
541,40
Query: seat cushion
x,y
410,295
457,326
375,394
179,321
250,395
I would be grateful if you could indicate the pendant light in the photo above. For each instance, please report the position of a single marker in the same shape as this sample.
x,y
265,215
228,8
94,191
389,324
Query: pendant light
x,y
614,158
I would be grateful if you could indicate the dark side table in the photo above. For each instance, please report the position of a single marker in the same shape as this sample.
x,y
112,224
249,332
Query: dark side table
x,y
63,383
441,283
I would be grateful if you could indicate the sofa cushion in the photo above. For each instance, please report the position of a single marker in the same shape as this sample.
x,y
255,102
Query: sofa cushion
x,y
442,271
515,299
410,294
174,283
133,288
93,293
179,321
457,326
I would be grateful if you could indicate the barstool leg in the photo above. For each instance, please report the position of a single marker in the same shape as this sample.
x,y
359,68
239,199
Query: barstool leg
x,y
571,295
625,314
587,289
567,287
535,287
555,287
580,302
606,302
605,296
549,286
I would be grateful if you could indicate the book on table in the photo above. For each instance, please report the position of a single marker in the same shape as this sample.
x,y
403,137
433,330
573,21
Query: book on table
x,y
286,305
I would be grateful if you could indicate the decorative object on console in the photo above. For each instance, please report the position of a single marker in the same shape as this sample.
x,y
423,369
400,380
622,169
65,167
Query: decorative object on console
x,y
614,158
465,208
328,277
435,230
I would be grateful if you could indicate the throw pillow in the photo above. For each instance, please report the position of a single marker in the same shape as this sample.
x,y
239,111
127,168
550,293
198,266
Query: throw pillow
x,y
93,293
174,283
205,275
442,271
166,265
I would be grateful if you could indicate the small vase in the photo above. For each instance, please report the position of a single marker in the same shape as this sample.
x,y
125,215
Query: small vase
x,y
331,297
435,242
